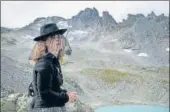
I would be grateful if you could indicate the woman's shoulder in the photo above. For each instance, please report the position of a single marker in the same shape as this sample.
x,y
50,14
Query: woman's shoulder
x,y
43,65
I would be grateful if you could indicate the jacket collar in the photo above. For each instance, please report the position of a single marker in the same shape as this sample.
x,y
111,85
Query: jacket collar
x,y
49,56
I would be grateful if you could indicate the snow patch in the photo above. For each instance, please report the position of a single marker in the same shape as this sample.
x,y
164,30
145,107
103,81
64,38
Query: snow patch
x,y
113,40
11,96
77,34
63,24
27,37
71,39
128,50
143,54
167,49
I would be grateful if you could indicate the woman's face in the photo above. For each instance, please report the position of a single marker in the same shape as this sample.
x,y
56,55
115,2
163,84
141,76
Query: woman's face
x,y
55,45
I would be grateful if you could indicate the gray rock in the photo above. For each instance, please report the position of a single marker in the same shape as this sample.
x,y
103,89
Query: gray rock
x,y
20,102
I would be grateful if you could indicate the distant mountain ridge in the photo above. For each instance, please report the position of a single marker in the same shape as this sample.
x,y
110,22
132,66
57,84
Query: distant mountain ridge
x,y
141,34
89,17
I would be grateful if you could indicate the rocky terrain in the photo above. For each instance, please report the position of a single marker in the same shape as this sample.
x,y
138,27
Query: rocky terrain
x,y
111,64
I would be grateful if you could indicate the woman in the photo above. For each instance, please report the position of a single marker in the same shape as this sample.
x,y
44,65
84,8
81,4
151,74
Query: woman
x,y
47,75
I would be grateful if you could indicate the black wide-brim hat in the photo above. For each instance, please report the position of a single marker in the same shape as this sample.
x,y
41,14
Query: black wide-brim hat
x,y
49,30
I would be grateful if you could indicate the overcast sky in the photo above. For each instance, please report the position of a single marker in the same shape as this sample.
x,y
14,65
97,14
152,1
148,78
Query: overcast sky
x,y
20,13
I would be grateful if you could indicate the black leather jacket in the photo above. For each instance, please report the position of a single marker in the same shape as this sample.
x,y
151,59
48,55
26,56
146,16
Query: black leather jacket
x,y
47,79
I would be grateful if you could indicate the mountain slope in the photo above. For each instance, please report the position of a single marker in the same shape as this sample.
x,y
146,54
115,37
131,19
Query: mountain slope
x,y
112,63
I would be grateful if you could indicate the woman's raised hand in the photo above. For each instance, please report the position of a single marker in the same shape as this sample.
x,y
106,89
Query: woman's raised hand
x,y
72,96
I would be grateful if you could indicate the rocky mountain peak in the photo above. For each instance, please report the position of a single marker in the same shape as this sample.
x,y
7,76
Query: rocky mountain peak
x,y
39,19
162,17
108,21
5,30
87,13
151,15
135,17
89,18
85,18
108,17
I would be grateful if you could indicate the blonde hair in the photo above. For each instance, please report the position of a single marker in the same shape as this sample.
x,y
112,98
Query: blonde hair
x,y
52,44
38,50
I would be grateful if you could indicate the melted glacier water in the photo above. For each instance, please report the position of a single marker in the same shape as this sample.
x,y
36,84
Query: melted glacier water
x,y
134,108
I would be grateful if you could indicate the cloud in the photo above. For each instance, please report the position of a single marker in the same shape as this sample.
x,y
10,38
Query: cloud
x,y
21,13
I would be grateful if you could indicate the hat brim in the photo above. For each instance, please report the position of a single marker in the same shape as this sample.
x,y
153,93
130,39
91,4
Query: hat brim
x,y
42,37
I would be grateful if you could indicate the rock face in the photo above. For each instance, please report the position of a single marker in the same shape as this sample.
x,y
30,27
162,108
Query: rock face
x,y
147,35
89,18
151,16
131,19
20,103
107,22
85,19
5,30
33,28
